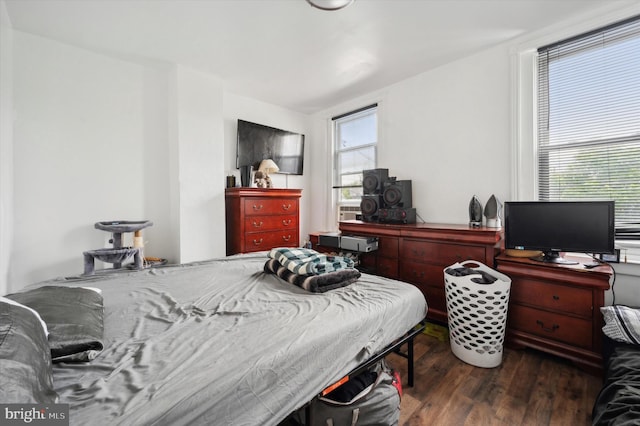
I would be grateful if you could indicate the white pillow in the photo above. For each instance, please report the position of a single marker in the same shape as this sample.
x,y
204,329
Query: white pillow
x,y
622,323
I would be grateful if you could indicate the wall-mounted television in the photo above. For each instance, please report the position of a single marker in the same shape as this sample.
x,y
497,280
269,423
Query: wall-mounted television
x,y
257,142
560,226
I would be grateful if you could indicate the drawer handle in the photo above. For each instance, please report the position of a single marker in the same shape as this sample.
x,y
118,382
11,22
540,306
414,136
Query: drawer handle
x,y
286,222
257,207
416,274
286,206
257,224
418,253
556,297
257,242
287,238
551,329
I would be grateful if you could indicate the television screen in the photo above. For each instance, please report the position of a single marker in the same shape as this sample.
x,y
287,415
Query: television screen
x,y
560,226
257,142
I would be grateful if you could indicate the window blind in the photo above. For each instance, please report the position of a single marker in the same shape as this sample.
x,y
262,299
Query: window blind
x,y
589,120
355,141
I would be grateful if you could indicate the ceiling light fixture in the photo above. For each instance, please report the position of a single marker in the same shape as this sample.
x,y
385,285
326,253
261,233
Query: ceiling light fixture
x,y
330,4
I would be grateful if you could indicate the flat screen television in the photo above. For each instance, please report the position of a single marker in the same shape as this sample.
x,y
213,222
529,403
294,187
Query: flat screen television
x,y
257,142
560,226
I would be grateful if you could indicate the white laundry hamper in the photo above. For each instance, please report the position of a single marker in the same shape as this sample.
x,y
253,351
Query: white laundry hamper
x,y
477,313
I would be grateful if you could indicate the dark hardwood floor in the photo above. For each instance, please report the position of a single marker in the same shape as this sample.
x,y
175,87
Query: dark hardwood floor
x,y
528,388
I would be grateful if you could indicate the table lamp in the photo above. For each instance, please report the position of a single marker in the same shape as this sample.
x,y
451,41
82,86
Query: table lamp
x,y
267,167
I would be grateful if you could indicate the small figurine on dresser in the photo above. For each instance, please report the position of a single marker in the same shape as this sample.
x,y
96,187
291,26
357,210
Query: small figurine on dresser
x,y
262,180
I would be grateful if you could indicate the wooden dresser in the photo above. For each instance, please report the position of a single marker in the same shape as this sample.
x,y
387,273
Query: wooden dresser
x,y
261,219
556,308
418,254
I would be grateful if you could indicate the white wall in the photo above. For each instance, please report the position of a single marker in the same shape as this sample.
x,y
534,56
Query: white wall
x,y
626,285
447,130
240,107
6,147
454,122
161,239
451,131
78,157
98,138
199,139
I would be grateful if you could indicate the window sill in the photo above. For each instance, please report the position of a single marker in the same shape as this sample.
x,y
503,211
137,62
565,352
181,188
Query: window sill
x,y
629,251
629,268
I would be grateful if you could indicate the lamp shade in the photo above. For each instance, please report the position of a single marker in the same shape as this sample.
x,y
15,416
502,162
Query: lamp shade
x,y
268,166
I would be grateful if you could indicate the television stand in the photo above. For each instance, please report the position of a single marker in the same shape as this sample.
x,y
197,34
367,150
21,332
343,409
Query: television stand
x,y
555,308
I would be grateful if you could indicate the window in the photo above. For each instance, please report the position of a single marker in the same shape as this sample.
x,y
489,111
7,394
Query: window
x,y
356,136
589,121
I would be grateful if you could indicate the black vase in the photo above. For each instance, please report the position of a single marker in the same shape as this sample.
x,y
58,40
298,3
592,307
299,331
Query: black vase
x,y
245,176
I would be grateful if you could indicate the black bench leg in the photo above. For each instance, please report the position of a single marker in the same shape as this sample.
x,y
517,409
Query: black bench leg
x,y
410,362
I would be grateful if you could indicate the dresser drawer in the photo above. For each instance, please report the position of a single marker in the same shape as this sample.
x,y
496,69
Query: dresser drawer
x,y
436,302
570,330
422,273
260,219
388,247
267,240
440,253
387,267
559,298
266,206
367,260
436,299
268,223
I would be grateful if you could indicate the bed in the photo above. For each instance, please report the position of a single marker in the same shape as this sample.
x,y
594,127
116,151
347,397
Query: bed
x,y
618,402
223,342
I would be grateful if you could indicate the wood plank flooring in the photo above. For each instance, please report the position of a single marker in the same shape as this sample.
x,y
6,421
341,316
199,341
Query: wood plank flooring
x,y
528,388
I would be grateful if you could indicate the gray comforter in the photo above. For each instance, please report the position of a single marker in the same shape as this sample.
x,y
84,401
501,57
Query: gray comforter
x,y
223,343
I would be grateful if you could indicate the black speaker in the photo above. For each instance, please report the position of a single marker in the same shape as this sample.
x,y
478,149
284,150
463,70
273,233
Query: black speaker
x,y
369,206
373,180
397,215
397,193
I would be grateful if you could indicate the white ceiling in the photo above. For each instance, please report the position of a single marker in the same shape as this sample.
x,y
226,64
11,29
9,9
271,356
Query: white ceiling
x,y
284,51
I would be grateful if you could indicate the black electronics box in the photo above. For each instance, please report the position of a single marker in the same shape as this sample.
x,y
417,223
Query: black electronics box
x,y
329,239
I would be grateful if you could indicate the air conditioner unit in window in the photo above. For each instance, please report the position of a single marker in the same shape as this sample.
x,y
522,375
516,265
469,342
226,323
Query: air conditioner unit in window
x,y
348,212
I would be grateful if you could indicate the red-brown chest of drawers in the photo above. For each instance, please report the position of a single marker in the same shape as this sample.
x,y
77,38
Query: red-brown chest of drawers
x,y
556,308
418,254
261,219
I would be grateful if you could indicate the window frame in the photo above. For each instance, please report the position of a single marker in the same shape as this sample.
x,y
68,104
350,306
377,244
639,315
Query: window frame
x,y
557,68
338,151
524,130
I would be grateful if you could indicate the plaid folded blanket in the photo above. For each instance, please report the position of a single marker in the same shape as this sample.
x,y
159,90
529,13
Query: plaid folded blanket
x,y
313,283
309,262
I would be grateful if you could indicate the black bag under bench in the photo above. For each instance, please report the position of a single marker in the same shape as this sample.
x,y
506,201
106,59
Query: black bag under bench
x,y
370,398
